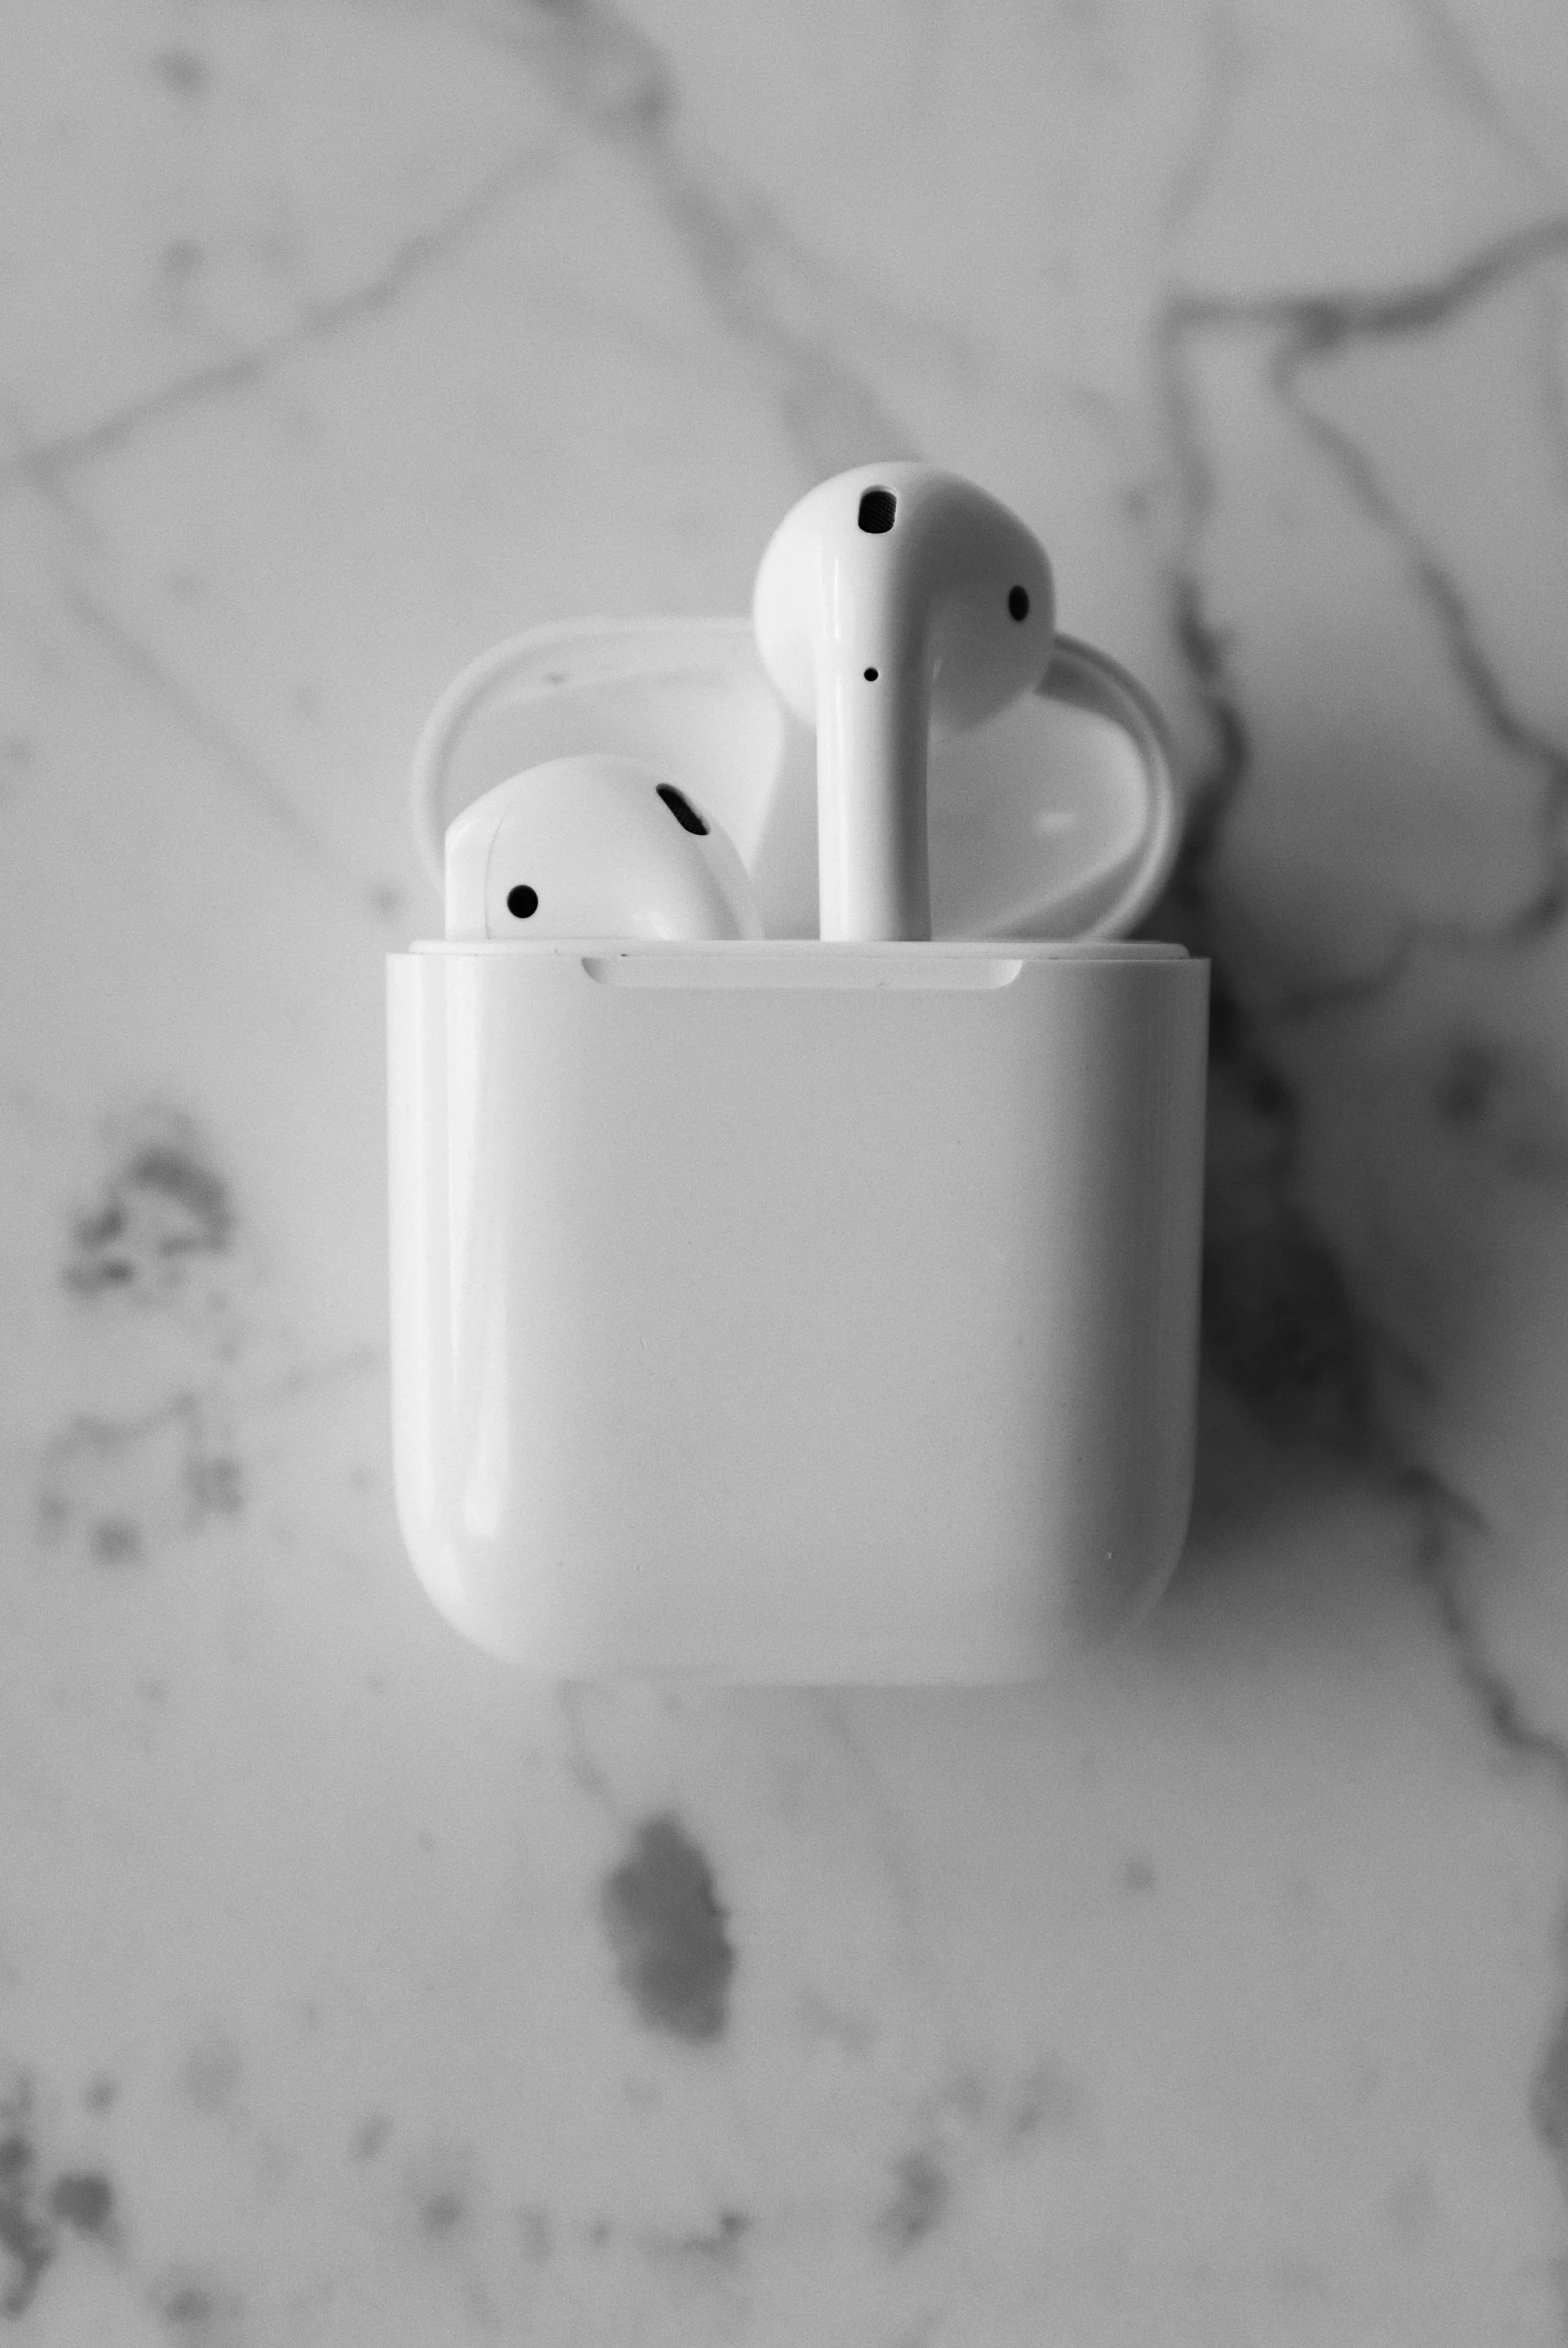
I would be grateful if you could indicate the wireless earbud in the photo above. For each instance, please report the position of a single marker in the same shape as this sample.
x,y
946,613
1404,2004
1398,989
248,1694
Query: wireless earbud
x,y
892,600
593,846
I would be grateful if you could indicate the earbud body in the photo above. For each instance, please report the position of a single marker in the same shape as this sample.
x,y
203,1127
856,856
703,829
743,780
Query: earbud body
x,y
893,600
592,845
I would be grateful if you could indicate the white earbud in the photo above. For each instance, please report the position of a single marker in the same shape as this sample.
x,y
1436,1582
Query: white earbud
x,y
593,846
892,600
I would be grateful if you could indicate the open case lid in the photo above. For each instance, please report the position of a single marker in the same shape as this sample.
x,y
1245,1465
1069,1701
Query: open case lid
x,y
1059,820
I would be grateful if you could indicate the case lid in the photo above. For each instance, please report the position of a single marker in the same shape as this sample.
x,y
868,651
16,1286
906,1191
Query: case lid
x,y
1059,820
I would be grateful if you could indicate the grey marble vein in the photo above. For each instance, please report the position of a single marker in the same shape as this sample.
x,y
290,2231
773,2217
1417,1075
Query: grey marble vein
x,y
412,259
619,85
230,756
1268,1270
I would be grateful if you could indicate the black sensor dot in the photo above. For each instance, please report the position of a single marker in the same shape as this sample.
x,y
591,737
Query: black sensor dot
x,y
680,808
870,676
1019,603
522,900
877,508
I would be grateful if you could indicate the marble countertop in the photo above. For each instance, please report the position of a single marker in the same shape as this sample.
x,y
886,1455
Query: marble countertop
x,y
355,1990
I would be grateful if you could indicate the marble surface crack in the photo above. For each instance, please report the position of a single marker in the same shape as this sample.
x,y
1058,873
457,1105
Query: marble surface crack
x,y
1281,1326
1550,384
1439,591
1445,1520
1224,58
1311,328
1255,1220
1322,321
1255,1114
476,2004
411,259
229,755
618,85
1460,70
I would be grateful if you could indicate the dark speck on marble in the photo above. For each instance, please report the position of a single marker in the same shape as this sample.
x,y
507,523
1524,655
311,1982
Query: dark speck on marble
x,y
443,2210
101,2092
27,2235
439,2187
122,1488
82,2200
115,1543
917,2206
182,70
370,2135
1048,2103
1466,1082
165,1206
1139,1875
32,2215
1507,1106
721,2244
668,1933
189,2307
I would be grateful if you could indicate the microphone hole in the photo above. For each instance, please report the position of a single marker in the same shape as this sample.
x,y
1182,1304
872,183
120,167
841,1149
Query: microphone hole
x,y
1019,603
877,508
870,676
522,900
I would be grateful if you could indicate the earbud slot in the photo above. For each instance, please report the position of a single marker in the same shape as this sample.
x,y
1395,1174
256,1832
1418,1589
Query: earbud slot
x,y
1059,820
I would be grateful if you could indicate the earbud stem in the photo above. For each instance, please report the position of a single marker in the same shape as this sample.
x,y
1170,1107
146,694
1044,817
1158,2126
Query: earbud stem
x,y
891,598
874,849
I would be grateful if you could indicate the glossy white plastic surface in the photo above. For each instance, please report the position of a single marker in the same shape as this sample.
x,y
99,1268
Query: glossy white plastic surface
x,y
594,844
934,614
793,1311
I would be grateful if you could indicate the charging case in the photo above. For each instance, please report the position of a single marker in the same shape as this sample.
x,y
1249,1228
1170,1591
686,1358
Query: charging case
x,y
787,1311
